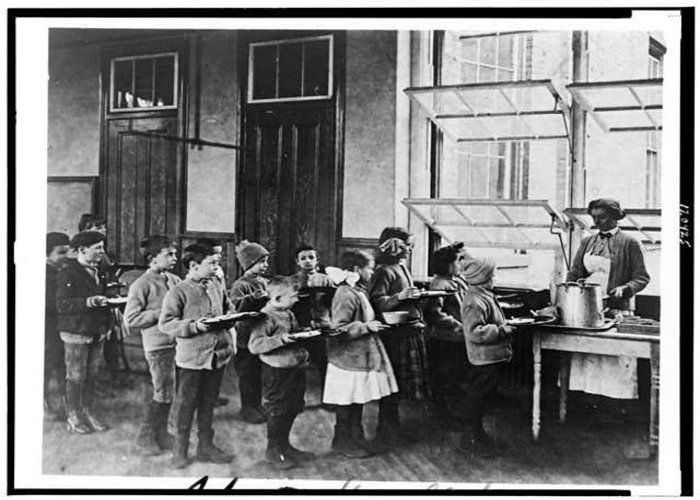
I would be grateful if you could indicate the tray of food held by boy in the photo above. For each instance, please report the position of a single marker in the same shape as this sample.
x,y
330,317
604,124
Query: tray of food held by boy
x,y
225,319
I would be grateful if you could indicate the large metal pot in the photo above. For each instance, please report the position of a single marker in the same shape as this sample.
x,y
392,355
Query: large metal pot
x,y
579,304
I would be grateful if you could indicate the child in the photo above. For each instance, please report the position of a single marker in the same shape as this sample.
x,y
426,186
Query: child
x,y
392,289
201,353
248,294
218,249
142,311
57,245
446,350
82,322
313,311
282,371
489,349
108,269
359,370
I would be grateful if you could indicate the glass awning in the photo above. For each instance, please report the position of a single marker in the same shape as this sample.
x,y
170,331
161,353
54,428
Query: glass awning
x,y
622,106
491,223
645,223
495,111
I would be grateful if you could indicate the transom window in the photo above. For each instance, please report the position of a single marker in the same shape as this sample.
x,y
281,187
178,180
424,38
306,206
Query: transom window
x,y
291,70
145,82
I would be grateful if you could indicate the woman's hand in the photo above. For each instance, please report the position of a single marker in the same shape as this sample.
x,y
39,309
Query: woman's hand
x,y
618,292
409,293
375,326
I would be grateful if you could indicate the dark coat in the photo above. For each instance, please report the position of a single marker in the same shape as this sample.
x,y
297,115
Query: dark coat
x,y
50,311
626,267
74,286
443,315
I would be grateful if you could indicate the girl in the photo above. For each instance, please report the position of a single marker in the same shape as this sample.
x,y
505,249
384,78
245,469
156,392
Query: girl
x,y
392,289
488,340
447,354
359,369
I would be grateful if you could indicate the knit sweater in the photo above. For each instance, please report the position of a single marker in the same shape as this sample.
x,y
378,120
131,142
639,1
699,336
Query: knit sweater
x,y
483,322
626,267
266,341
183,305
358,349
241,295
143,305
443,315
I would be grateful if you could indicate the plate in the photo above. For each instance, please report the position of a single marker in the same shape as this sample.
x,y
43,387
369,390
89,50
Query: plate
x,y
520,321
428,294
232,318
306,334
116,301
531,320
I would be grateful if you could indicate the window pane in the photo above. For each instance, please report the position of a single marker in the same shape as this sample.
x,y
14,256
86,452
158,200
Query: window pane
x,y
469,73
123,93
165,73
478,177
264,72
505,51
470,49
488,50
505,75
143,93
487,74
316,67
290,70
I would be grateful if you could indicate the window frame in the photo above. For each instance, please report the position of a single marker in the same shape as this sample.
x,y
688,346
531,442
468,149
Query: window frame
x,y
289,41
133,58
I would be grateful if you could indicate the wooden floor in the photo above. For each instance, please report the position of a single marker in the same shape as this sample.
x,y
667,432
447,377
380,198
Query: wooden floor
x,y
581,452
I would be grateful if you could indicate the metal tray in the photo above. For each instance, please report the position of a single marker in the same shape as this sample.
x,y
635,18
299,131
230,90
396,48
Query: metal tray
x,y
607,325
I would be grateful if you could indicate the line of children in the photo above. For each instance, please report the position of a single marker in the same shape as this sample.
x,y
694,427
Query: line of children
x,y
143,308
367,360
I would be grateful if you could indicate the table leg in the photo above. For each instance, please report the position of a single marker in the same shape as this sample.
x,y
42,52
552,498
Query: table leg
x,y
537,358
654,397
564,370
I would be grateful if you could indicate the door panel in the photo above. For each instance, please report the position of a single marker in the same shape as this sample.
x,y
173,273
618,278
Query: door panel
x,y
290,190
141,184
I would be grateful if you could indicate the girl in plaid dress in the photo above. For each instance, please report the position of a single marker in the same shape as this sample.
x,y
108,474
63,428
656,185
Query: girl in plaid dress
x,y
392,289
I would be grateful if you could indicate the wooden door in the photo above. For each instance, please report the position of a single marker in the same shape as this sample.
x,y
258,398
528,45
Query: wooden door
x,y
290,181
141,179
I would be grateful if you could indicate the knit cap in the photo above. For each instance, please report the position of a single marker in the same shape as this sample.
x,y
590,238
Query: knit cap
x,y
86,239
250,253
56,240
478,271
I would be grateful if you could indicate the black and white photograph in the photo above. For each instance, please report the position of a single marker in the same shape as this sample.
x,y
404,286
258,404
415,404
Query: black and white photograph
x,y
347,254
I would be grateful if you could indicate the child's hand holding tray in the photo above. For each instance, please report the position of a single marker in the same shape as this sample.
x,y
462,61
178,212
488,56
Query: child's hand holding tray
x,y
229,319
306,334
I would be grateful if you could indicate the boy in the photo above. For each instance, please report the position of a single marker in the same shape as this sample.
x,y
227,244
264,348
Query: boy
x,y
488,349
82,322
142,311
218,250
57,246
282,370
248,294
314,310
201,353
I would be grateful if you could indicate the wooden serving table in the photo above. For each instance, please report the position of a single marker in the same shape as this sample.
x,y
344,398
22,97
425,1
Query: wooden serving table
x,y
609,342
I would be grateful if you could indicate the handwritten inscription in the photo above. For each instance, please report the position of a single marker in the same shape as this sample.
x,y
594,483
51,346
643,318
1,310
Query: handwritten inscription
x,y
685,226
350,484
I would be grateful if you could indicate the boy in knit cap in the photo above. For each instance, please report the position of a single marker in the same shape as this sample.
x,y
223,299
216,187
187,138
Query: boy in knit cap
x,y
202,352
282,371
248,294
83,320
57,245
488,348
142,311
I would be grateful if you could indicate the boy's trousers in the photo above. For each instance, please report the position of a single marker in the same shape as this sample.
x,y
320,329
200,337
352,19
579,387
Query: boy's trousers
x,y
197,391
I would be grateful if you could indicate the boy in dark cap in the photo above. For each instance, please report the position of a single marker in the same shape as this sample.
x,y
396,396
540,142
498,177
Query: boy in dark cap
x,y
248,294
82,322
57,245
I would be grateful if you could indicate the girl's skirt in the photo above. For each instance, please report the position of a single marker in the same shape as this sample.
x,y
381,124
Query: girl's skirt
x,y
345,387
406,348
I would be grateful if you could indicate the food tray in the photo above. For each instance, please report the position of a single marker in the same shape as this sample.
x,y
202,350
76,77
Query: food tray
x,y
307,334
531,321
232,318
607,325
430,294
116,301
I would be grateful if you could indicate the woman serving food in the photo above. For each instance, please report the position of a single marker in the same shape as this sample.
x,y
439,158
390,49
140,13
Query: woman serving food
x,y
615,261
